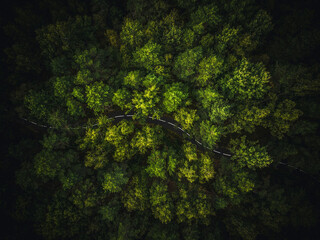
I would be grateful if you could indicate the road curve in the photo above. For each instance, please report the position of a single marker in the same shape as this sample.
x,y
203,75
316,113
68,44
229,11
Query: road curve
x,y
166,122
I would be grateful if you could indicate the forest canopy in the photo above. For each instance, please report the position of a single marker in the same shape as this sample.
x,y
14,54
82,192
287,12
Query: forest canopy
x,y
233,76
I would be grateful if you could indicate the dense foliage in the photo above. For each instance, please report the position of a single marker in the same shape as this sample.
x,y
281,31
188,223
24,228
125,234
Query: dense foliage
x,y
226,71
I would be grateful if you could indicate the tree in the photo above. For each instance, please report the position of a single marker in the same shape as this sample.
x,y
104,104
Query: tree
x,y
110,211
148,56
206,15
62,86
185,64
249,81
114,180
252,156
173,97
210,133
121,98
118,135
214,104
38,104
145,102
156,165
98,96
209,68
186,117
193,205
147,138
65,36
136,196
131,34
133,79
53,160
283,117
161,203
248,118
227,39
172,31
207,97
206,168
189,167
220,111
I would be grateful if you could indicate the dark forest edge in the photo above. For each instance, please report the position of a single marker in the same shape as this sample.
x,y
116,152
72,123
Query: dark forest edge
x,y
69,62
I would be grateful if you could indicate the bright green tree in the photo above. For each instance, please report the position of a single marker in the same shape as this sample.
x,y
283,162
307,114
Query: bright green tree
x,y
174,97
248,81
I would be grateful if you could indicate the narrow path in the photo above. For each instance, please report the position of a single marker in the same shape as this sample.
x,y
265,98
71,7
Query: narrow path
x,y
166,122
169,124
